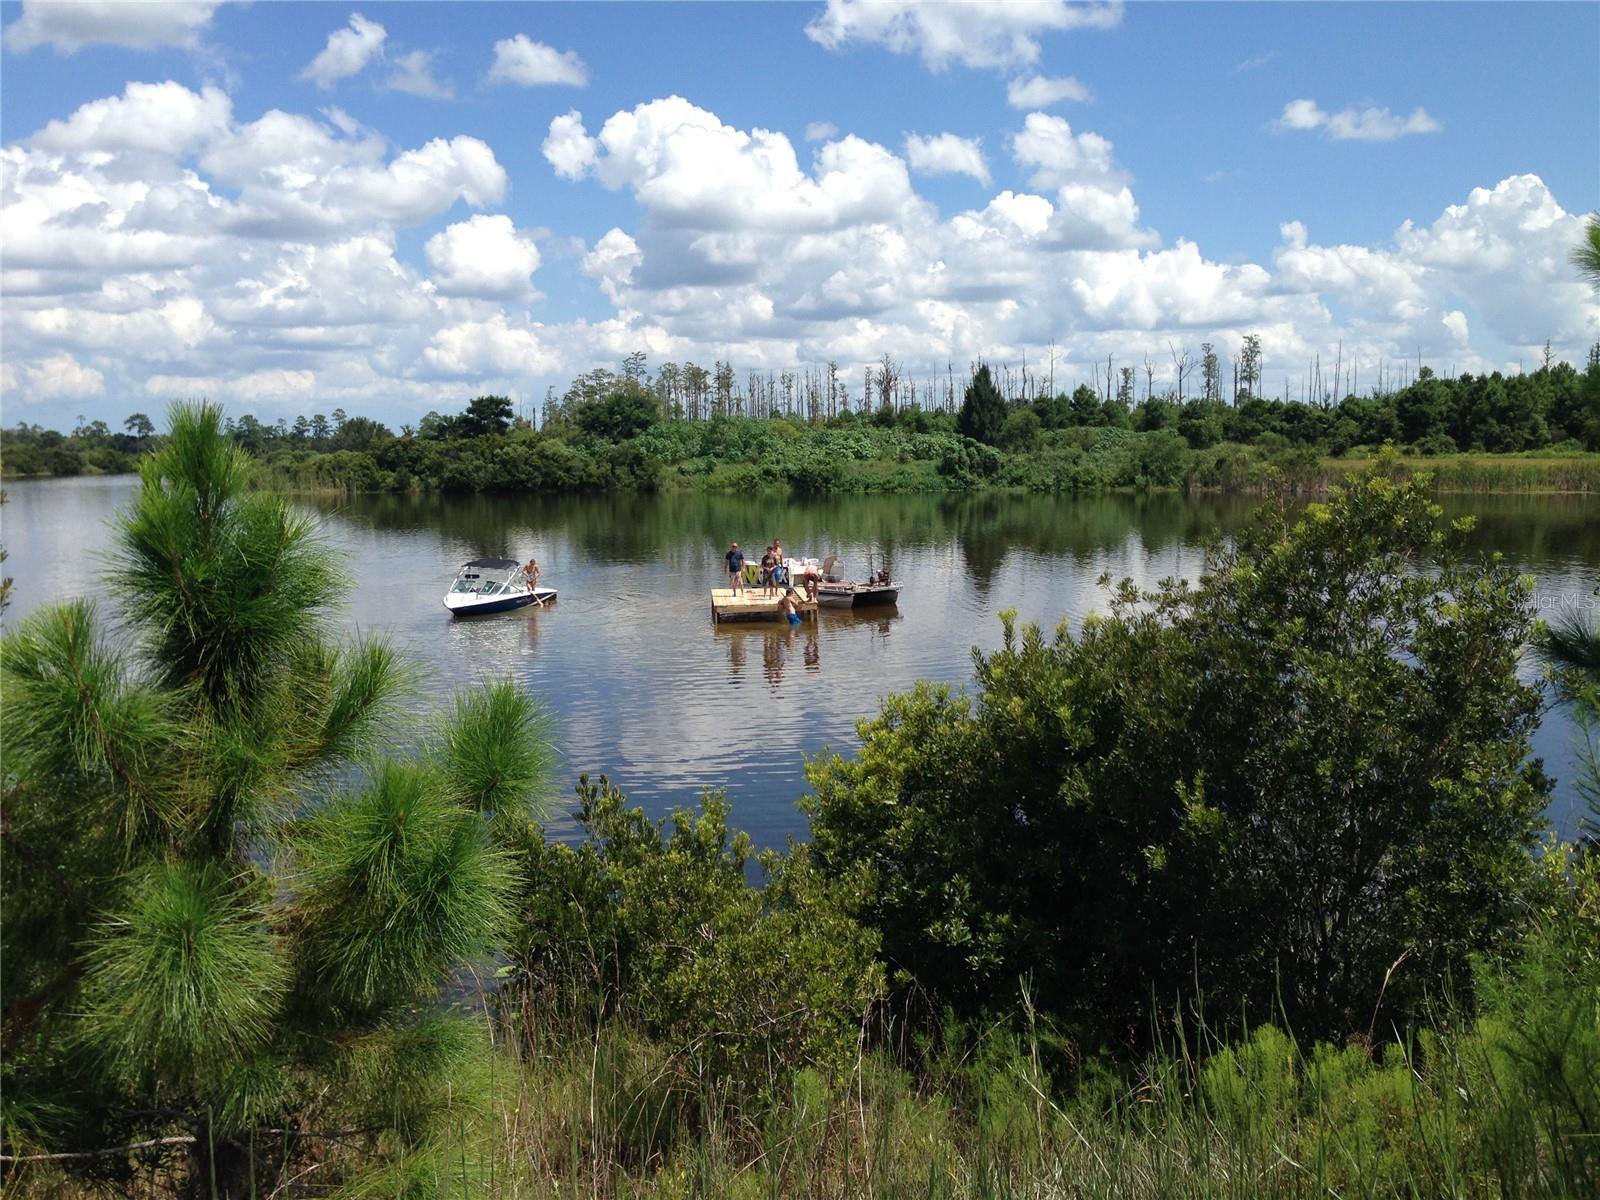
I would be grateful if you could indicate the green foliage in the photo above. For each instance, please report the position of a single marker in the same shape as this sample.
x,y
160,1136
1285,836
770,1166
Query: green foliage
x,y
185,985
983,409
219,919
225,582
1271,786
400,846
486,415
1570,647
1586,254
660,927
1021,431
496,750
1536,1046
5,581
617,417
1474,1106
608,435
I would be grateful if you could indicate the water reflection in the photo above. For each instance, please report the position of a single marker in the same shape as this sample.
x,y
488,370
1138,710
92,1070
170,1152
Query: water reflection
x,y
784,648
496,636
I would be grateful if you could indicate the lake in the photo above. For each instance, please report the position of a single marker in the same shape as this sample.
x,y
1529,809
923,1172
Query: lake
x,y
643,687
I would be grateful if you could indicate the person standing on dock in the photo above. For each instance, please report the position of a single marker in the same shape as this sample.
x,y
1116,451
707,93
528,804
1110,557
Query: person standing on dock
x,y
735,560
769,576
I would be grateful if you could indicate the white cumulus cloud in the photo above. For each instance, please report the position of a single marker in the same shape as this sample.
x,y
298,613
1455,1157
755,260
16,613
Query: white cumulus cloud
x,y
689,169
493,347
947,154
148,25
162,118
613,261
161,243
62,377
347,52
527,63
1057,156
484,256
568,147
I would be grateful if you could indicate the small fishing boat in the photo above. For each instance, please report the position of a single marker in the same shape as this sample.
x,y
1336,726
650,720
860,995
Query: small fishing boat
x,y
834,592
491,585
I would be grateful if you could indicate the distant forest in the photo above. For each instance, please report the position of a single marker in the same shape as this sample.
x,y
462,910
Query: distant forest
x,y
1131,426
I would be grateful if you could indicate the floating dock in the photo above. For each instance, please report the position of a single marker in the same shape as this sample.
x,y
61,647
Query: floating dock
x,y
755,605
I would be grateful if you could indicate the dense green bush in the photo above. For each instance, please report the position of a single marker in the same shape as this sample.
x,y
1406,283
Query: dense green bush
x,y
659,927
1272,786
617,417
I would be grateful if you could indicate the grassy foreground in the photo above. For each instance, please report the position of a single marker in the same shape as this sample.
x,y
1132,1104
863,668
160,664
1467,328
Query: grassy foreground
x,y
1506,1104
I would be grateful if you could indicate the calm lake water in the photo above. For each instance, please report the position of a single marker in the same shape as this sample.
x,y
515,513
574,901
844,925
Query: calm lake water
x,y
645,688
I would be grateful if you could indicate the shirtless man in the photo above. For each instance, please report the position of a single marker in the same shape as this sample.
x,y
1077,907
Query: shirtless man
x,y
789,607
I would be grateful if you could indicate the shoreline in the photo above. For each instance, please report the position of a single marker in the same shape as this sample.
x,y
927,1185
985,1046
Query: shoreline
x,y
1542,476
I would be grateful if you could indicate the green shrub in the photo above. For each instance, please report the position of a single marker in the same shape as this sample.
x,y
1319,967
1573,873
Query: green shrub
x,y
659,927
1164,803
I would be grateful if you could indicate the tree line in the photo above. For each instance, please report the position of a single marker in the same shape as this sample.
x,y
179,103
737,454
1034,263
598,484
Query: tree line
x,y
630,429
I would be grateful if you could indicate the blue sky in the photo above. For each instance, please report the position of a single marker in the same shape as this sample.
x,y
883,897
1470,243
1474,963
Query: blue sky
x,y
217,199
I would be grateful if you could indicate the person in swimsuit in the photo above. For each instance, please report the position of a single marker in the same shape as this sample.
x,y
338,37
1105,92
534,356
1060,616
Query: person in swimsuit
x,y
812,581
735,560
769,563
531,574
789,606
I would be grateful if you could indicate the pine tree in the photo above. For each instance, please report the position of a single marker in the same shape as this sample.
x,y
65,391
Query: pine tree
x,y
983,411
229,918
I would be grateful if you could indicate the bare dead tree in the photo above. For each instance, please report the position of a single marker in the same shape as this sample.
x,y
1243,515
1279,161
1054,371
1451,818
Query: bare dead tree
x,y
888,382
1182,364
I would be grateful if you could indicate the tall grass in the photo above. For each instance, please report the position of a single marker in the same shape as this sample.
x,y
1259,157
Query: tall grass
x,y
604,1112
1491,473
569,1102
563,1098
616,1116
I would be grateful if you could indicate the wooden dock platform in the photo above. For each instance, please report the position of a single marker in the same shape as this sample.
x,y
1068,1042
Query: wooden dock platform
x,y
755,605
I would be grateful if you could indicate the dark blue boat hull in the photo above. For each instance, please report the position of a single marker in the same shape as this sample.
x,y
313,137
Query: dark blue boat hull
x,y
503,603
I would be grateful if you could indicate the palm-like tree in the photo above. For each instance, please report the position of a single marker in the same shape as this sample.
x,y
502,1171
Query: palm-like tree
x,y
1571,648
1572,644
230,907
1586,254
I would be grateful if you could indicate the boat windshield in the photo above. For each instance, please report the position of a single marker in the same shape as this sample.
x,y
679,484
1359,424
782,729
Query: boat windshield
x,y
485,583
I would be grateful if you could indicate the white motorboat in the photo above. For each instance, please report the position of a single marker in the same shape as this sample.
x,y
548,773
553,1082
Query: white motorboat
x,y
834,592
491,585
